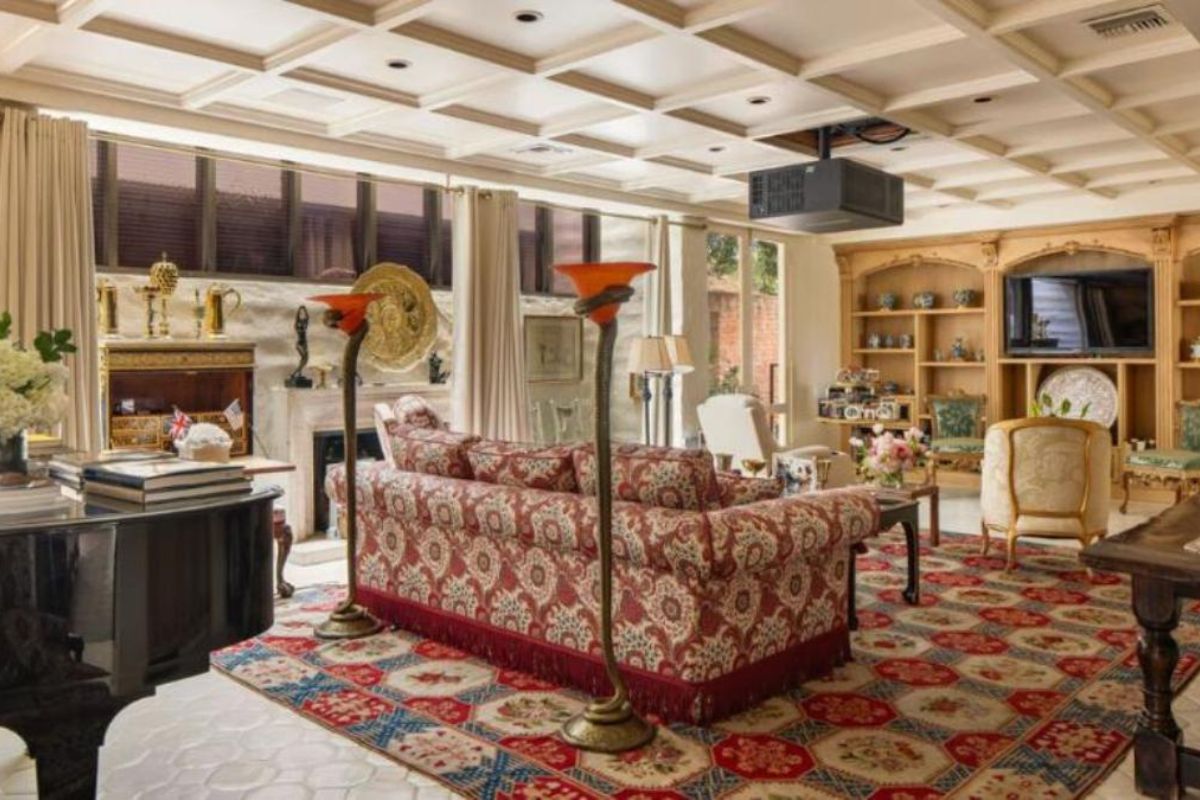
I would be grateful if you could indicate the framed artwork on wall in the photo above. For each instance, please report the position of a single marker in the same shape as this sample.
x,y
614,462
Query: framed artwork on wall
x,y
553,349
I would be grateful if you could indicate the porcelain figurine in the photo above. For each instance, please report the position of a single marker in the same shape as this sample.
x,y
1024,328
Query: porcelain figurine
x,y
1195,347
905,342
958,350
889,341
891,387
888,301
924,300
937,354
964,298
874,341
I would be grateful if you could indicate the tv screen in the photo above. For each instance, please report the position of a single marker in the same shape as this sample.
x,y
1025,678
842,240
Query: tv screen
x,y
1080,313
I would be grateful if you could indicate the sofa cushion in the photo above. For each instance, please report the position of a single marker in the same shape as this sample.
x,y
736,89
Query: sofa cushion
x,y
429,450
737,490
666,477
1164,459
524,465
412,410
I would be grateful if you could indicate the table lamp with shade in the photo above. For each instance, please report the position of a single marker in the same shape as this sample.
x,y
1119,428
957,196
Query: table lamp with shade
x,y
649,358
681,364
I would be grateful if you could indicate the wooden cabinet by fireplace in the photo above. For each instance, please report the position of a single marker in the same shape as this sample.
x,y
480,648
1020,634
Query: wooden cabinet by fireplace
x,y
143,381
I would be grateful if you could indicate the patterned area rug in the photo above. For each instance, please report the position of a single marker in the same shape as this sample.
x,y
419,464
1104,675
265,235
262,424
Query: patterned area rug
x,y
999,685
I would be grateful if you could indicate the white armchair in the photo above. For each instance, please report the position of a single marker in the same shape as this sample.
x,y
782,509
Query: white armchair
x,y
737,424
1045,476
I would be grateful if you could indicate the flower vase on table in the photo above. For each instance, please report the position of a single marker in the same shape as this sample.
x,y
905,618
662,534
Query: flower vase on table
x,y
884,456
32,389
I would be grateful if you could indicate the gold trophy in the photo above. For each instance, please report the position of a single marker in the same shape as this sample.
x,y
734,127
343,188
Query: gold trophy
x,y
214,309
106,316
150,295
164,276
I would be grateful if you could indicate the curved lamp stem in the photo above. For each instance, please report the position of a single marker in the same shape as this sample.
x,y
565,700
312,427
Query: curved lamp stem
x,y
610,725
350,620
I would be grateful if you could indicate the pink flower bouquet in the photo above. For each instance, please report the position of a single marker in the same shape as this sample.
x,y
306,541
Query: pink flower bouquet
x,y
883,457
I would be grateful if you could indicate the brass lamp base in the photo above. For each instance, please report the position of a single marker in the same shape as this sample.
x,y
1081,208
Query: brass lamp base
x,y
601,730
348,621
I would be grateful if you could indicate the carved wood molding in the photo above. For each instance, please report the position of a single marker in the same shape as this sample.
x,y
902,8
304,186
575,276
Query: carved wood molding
x,y
1072,248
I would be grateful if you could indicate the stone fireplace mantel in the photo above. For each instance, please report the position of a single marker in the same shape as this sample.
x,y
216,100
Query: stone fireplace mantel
x,y
293,416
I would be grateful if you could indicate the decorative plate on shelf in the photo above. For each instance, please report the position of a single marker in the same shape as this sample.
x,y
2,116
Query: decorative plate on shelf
x,y
1083,386
403,322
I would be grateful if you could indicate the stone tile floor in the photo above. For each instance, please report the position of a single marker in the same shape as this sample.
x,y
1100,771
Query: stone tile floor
x,y
208,737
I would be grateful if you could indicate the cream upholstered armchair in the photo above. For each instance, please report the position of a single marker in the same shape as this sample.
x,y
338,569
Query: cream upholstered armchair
x,y
1045,476
736,424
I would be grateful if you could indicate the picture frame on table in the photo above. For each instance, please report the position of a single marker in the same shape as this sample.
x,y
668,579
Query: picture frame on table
x,y
553,349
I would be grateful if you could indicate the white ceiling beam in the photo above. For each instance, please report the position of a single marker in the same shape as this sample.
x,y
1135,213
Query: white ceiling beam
x,y
713,88
722,12
362,16
348,126
956,91
859,55
584,118
1132,54
593,47
431,101
32,35
1036,12
485,145
1108,160
582,163
800,122
216,88
678,145
1064,140
1149,174
1178,126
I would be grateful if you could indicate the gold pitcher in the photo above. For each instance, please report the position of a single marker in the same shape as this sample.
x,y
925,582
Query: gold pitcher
x,y
214,309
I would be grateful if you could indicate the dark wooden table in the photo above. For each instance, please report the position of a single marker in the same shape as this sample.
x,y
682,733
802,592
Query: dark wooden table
x,y
1163,558
893,512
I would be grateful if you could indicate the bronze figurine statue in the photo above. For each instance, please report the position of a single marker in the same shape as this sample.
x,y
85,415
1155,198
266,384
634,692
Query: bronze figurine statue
x,y
297,379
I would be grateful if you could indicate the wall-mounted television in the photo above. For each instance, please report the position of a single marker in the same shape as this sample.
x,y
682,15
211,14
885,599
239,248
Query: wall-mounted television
x,y
1080,313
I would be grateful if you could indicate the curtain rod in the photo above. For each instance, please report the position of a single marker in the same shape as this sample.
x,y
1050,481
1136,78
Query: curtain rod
x,y
358,176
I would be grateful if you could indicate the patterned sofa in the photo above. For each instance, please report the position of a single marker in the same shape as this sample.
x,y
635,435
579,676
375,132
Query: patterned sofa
x,y
725,592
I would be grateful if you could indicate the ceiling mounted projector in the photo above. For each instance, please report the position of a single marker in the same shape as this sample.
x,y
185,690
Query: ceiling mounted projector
x,y
827,196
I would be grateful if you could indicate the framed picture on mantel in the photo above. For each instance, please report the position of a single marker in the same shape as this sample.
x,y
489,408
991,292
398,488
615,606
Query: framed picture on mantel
x,y
553,349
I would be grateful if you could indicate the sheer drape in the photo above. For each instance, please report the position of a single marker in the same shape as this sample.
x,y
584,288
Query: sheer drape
x,y
47,270
488,395
656,320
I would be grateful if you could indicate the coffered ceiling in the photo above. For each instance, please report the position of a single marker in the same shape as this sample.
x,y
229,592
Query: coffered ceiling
x,y
1009,100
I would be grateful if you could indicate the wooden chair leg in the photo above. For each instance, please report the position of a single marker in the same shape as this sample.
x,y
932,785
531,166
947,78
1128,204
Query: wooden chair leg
x,y
1125,483
1178,491
987,539
1011,550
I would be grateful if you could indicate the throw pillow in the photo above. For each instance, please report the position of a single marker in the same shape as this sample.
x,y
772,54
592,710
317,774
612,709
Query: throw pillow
x,y
431,451
524,465
656,476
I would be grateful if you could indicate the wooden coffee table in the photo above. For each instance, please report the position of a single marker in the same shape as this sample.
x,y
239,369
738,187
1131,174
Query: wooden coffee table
x,y
916,491
893,512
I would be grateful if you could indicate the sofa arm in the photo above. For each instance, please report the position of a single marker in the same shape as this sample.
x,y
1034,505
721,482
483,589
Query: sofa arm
x,y
737,490
761,536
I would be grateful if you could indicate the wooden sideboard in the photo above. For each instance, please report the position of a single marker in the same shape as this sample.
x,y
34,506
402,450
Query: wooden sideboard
x,y
1149,386
144,380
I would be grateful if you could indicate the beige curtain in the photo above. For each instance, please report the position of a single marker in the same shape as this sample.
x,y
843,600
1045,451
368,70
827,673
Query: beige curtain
x,y
47,269
488,394
656,321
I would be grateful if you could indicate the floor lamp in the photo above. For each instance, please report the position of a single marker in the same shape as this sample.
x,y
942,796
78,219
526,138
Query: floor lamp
x,y
609,725
348,313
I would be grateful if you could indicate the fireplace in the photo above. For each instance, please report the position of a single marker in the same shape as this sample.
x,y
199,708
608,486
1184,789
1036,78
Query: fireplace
x,y
329,448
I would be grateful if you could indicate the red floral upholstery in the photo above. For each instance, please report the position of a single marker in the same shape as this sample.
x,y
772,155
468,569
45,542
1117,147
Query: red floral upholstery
x,y
522,465
736,490
413,411
714,610
428,450
656,476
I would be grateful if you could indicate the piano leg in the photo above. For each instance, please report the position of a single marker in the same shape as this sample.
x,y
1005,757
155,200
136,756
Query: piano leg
x,y
283,548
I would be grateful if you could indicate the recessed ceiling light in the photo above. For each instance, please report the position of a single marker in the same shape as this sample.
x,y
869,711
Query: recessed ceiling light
x,y
717,148
758,100
399,63
528,16
984,99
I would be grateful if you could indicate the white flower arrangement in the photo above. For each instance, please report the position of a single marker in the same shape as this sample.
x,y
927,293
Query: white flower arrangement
x,y
32,382
204,442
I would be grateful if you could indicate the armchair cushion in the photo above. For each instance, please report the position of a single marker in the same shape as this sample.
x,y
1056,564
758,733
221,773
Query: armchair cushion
x,y
957,445
428,450
666,477
522,465
1164,459
956,417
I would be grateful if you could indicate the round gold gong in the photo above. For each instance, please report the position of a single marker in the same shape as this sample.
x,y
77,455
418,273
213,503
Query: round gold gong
x,y
403,322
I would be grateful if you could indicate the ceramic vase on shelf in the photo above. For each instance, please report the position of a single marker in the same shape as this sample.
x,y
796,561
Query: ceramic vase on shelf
x,y
888,301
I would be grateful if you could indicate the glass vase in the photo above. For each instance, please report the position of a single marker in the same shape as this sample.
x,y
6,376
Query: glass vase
x,y
14,453
889,480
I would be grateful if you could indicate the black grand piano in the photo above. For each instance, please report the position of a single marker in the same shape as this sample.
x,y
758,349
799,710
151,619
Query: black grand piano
x,y
100,605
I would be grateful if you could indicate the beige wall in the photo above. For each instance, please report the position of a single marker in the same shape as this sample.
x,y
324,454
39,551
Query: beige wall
x,y
812,331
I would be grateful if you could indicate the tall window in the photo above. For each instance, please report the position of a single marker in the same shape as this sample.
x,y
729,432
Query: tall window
x,y
768,374
252,219
724,314
99,154
157,206
400,226
329,247
549,236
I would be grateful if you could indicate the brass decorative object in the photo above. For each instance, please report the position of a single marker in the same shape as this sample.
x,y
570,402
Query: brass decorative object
x,y
150,295
403,321
214,309
106,315
606,725
164,276
348,312
197,313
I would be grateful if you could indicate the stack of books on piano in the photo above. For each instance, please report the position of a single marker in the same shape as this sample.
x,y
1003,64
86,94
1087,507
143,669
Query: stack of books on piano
x,y
163,481
30,496
67,468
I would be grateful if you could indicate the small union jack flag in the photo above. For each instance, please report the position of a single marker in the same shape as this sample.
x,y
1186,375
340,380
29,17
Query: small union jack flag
x,y
180,424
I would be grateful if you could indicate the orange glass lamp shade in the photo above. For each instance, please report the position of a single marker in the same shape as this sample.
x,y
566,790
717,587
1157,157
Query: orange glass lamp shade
x,y
591,279
351,308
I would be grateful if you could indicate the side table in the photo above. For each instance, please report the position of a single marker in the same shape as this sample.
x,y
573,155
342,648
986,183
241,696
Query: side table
x,y
256,466
915,491
905,513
